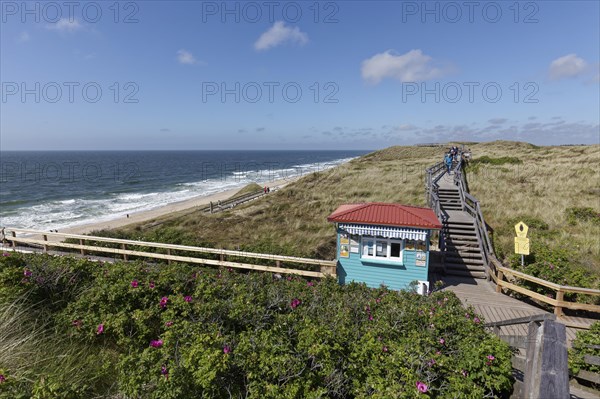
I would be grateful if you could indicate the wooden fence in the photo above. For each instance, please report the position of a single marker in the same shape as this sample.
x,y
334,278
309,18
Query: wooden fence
x,y
219,206
44,241
504,274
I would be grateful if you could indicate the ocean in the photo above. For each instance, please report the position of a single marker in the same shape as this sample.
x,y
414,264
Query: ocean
x,y
60,189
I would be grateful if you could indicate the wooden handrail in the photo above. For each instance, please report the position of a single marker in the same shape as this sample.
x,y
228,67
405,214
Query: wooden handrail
x,y
327,267
558,301
522,320
528,277
549,284
243,254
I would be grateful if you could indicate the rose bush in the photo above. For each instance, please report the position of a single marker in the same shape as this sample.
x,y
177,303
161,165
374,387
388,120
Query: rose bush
x,y
180,331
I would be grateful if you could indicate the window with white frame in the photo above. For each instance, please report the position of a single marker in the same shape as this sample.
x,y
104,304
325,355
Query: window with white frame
x,y
382,248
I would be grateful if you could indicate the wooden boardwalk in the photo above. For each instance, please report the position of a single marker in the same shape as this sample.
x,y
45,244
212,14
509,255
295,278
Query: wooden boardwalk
x,y
494,306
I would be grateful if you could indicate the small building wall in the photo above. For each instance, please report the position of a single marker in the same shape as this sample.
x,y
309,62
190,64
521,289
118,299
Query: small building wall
x,y
374,272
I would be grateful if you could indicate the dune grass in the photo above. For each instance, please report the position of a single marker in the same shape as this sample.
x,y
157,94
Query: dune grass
x,y
247,189
38,358
541,187
512,180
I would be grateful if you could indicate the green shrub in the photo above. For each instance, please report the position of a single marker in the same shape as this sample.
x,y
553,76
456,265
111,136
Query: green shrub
x,y
575,215
531,221
221,333
485,160
586,343
556,265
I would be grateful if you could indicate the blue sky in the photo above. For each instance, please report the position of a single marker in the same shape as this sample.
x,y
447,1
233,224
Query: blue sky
x,y
296,75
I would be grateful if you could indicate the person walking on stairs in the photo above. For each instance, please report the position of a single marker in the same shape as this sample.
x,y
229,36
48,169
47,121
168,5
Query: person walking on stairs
x,y
448,162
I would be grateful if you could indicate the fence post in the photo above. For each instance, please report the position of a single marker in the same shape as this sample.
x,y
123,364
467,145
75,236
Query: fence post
x,y
546,368
560,294
45,246
14,235
169,253
82,242
500,277
124,248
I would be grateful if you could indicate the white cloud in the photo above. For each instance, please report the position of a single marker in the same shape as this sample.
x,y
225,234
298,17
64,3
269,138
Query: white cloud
x,y
278,34
413,66
567,67
66,25
185,57
24,37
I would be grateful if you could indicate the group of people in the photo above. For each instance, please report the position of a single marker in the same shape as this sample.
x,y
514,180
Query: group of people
x,y
451,155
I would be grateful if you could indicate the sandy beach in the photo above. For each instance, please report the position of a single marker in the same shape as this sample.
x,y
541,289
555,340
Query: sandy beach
x,y
151,214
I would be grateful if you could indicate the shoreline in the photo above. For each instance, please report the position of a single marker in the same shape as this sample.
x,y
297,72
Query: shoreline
x,y
144,216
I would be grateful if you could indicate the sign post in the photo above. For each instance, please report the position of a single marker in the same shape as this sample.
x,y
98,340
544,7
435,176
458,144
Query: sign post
x,y
521,241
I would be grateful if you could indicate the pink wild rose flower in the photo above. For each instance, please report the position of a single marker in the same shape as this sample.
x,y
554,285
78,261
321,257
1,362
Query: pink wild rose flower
x,y
163,302
421,386
295,303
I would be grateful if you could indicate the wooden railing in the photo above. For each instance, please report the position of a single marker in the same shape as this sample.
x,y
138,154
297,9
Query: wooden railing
x,y
433,175
559,302
46,240
232,202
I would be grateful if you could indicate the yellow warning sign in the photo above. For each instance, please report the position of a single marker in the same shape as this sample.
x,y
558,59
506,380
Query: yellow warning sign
x,y
521,229
522,245
521,240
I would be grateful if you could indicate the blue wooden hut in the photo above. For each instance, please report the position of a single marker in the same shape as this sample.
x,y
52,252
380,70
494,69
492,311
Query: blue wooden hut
x,y
384,243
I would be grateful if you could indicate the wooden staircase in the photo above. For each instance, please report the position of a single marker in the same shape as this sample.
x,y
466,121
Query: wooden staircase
x,y
463,253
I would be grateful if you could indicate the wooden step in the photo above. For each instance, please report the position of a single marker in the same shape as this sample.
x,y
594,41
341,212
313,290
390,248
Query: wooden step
x,y
451,222
461,232
461,267
463,248
457,260
461,229
447,190
454,241
466,273
468,253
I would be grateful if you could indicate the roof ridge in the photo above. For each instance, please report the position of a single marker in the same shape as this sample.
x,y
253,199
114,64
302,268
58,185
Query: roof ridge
x,y
415,215
354,208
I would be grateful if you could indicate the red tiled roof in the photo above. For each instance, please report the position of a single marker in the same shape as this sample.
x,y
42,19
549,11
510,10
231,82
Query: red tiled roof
x,y
381,213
